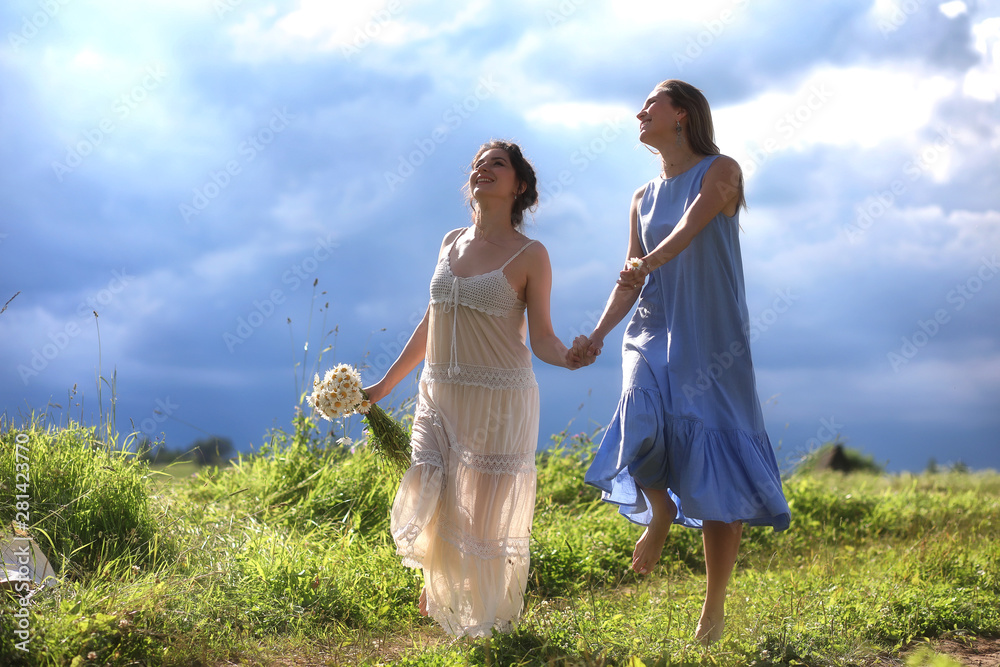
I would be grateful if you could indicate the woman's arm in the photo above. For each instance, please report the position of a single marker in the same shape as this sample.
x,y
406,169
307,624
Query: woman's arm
x,y
415,349
717,194
623,296
537,294
411,356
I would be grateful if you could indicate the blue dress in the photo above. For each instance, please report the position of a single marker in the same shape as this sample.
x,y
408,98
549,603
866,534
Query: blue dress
x,y
689,418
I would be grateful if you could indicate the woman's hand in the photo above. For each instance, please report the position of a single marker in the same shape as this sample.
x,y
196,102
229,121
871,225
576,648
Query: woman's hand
x,y
579,355
634,274
376,392
594,345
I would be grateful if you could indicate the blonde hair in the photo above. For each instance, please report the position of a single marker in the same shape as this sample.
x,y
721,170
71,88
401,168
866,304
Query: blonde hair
x,y
700,130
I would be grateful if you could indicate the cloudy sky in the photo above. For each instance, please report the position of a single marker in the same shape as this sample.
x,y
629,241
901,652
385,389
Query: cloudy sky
x,y
189,168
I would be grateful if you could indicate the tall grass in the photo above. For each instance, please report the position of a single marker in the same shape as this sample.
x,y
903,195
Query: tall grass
x,y
286,556
88,501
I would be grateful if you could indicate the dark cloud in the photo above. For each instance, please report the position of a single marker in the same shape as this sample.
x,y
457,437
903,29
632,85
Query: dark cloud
x,y
364,177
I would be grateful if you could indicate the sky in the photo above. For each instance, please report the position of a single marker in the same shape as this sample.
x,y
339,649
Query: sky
x,y
245,191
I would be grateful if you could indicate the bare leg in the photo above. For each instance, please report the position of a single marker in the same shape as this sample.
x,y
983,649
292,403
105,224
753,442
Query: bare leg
x,y
650,545
722,544
422,604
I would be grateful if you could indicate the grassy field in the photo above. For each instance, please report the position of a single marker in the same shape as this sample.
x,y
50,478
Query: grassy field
x,y
284,558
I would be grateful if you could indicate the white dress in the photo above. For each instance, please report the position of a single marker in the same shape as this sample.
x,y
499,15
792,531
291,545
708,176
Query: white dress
x,y
463,510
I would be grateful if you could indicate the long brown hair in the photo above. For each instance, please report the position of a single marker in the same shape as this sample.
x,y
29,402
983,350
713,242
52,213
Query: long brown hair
x,y
700,129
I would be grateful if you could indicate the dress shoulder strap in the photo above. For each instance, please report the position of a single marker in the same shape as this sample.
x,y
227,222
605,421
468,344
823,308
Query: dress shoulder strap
x,y
451,246
514,256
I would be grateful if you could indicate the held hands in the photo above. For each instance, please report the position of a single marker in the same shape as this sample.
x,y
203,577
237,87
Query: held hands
x,y
583,353
634,274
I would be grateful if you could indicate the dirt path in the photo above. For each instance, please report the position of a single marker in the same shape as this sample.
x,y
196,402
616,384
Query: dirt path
x,y
967,651
979,652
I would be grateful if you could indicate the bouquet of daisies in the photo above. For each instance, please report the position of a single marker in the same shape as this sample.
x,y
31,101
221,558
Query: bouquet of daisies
x,y
339,394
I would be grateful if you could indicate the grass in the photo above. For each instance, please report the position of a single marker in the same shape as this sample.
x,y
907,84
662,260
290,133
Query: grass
x,y
284,558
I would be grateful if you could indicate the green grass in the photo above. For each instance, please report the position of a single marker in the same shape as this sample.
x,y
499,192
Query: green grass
x,y
285,555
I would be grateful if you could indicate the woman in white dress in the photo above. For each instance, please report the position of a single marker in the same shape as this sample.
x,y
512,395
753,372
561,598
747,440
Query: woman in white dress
x,y
464,508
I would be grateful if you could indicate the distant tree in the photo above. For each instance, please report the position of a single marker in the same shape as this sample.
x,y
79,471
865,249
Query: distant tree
x,y
836,456
932,466
211,451
959,466
158,453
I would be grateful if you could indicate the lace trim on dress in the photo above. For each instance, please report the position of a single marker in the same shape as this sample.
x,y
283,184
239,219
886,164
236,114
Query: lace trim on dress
x,y
497,464
486,629
406,547
489,377
426,456
487,549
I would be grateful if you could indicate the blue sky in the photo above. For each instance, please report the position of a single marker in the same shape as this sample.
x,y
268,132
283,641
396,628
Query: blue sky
x,y
189,168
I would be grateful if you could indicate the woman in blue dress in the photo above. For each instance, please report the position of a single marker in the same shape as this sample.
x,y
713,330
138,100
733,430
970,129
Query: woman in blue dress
x,y
687,442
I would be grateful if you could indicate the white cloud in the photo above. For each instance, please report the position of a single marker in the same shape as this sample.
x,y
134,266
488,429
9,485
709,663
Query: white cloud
x,y
318,26
953,9
575,115
843,123
703,12
983,81
855,106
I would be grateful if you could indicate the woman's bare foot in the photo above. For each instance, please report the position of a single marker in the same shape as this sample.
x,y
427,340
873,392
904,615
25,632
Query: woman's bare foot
x,y
650,545
709,632
422,604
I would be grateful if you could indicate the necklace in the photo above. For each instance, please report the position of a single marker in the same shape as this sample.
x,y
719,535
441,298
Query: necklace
x,y
479,232
677,167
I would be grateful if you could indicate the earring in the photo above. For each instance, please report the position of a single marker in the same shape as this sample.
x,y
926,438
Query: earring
x,y
678,133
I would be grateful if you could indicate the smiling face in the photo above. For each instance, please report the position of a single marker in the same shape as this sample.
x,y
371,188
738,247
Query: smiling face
x,y
493,175
659,117
501,176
